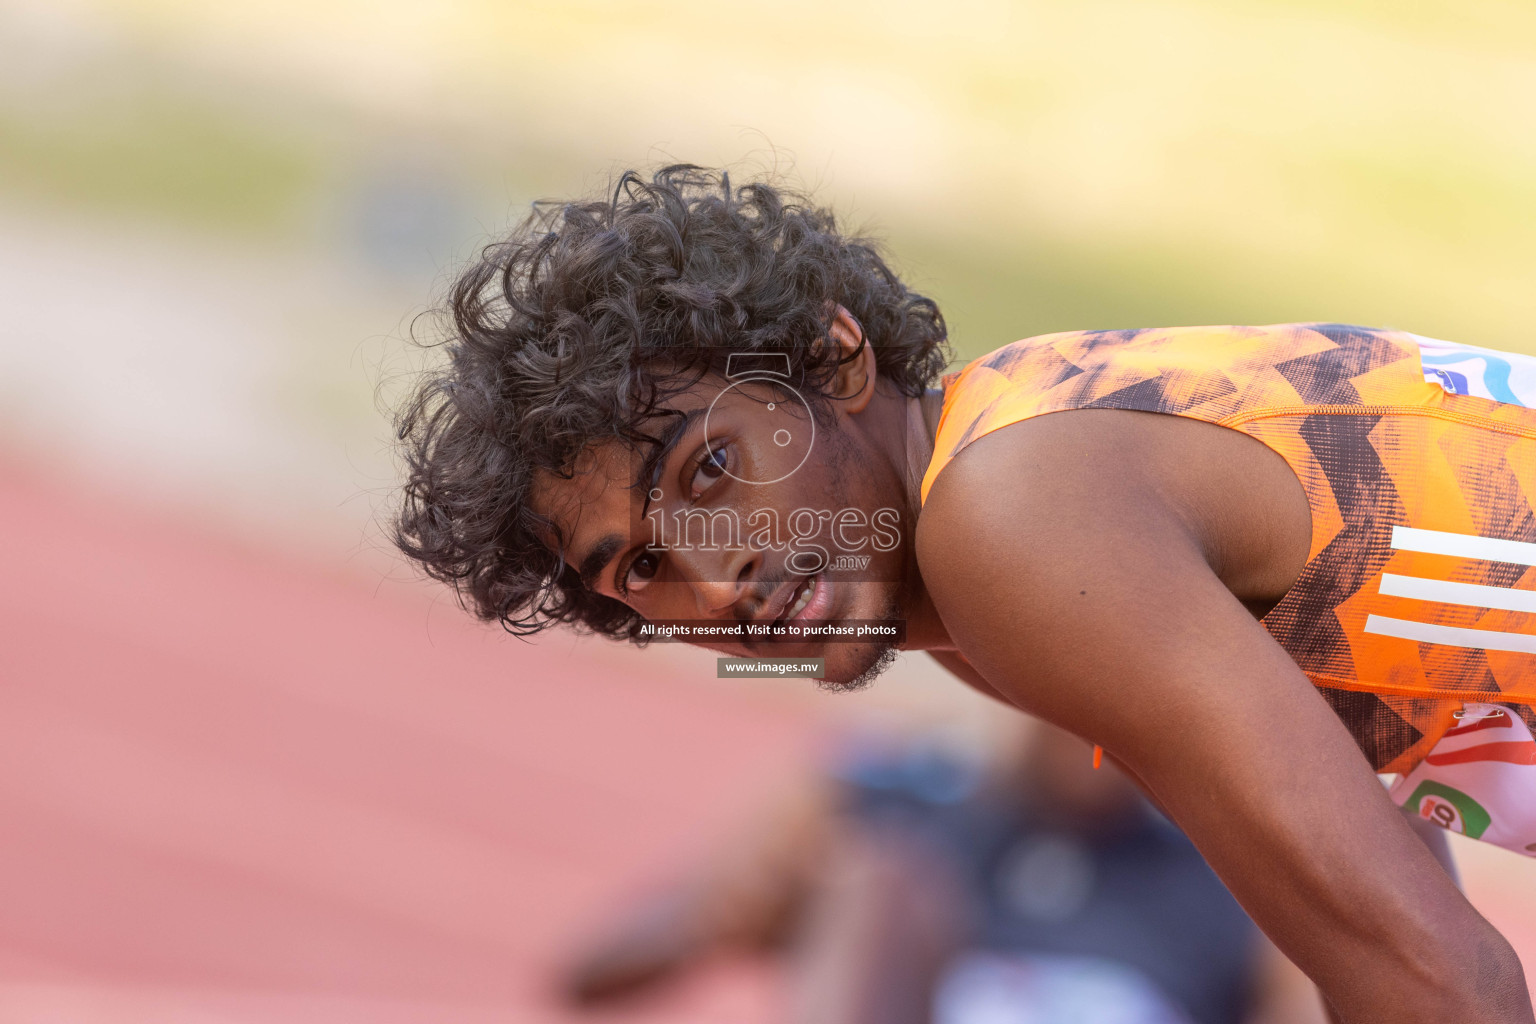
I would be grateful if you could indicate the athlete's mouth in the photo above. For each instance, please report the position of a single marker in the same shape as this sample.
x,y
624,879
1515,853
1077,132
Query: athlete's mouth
x,y
808,600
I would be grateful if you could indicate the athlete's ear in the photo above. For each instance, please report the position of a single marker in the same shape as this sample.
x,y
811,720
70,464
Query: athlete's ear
x,y
854,384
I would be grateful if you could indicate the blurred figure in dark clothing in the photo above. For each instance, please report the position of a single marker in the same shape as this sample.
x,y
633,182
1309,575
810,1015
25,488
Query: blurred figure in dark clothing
x,y
912,885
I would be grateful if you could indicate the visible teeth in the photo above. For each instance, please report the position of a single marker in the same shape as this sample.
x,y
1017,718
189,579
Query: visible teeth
x,y
805,597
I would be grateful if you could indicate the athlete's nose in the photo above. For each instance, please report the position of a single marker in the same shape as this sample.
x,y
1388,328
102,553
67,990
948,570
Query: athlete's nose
x,y
717,578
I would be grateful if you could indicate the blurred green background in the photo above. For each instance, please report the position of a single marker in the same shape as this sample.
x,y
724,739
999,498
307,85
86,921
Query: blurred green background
x,y
1035,166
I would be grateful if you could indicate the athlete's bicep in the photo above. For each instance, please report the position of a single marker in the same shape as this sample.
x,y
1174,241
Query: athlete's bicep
x,y
1089,603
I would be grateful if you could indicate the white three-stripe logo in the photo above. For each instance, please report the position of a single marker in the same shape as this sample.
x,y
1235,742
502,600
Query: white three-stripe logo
x,y
1462,545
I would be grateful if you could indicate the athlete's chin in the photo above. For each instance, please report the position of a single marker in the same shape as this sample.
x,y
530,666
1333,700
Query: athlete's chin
x,y
851,667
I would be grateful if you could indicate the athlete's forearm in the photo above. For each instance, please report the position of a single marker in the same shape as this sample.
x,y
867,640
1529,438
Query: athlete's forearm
x,y
1473,977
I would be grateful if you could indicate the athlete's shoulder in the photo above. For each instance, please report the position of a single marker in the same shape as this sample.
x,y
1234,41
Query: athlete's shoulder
x,y
1208,373
1045,359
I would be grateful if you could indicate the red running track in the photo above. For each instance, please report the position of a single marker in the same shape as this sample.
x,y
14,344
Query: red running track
x,y
235,788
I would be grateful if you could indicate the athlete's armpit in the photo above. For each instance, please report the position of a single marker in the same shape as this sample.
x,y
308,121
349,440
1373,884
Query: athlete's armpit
x,y
1084,595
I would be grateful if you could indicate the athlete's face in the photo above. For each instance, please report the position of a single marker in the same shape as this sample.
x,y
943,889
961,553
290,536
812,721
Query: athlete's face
x,y
753,511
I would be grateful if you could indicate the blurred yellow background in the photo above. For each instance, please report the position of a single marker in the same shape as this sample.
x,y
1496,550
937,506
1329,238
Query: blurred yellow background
x,y
220,223
287,183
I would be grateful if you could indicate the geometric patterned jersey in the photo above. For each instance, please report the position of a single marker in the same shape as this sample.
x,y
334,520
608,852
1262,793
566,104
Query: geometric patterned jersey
x,y
1418,458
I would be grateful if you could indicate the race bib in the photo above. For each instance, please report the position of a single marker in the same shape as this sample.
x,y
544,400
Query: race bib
x,y
1479,780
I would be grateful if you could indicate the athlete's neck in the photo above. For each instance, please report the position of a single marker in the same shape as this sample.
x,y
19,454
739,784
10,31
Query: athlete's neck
x,y
923,415
925,630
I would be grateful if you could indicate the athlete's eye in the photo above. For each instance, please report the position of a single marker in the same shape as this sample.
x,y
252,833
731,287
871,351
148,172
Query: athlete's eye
x,y
641,570
712,466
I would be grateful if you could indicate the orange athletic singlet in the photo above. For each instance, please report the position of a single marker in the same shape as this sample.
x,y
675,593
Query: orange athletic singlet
x,y
1418,458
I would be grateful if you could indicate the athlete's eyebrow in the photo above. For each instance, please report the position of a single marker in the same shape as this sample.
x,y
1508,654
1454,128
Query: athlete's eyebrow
x,y
600,555
656,460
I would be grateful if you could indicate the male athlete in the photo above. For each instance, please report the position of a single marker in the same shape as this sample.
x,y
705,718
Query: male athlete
x,y
1256,565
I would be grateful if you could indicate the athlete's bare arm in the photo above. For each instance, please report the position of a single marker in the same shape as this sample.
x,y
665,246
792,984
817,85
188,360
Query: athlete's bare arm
x,y
1101,570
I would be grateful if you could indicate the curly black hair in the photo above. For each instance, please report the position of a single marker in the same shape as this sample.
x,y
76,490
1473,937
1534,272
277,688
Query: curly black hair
x,y
569,333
